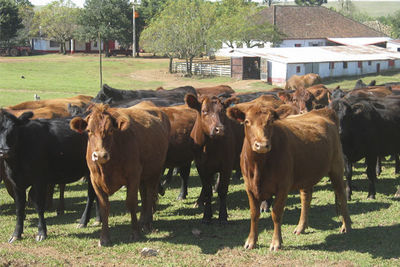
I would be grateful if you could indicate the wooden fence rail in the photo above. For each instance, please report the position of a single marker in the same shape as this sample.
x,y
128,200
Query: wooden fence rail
x,y
206,68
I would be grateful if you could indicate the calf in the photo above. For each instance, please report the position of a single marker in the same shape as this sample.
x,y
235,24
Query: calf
x,y
283,154
126,147
214,91
37,153
217,143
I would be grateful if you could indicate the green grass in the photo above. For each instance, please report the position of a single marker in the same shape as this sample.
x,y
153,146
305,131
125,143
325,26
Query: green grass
x,y
376,223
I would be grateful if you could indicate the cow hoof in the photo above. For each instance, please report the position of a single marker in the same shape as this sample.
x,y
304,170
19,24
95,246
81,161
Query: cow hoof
x,y
249,244
104,243
371,197
96,223
274,247
59,213
40,238
345,229
13,238
181,197
81,225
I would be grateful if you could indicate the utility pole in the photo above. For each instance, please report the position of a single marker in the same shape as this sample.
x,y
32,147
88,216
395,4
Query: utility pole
x,y
101,67
134,30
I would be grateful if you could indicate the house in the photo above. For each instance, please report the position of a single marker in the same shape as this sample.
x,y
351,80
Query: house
x,y
44,45
304,26
394,45
276,65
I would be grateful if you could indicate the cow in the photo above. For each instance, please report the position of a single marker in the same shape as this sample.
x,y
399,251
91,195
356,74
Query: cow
x,y
217,142
126,147
369,128
214,90
56,155
109,95
282,153
303,81
79,100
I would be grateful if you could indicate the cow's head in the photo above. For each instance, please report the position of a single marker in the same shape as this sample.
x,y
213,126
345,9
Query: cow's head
x,y
102,124
303,100
258,123
211,117
9,126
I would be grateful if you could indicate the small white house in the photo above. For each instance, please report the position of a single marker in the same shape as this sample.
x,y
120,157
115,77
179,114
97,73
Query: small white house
x,y
394,45
327,61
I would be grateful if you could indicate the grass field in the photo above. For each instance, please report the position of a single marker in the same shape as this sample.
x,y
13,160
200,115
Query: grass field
x,y
374,240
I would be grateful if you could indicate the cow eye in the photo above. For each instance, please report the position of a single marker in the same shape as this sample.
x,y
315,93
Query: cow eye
x,y
205,112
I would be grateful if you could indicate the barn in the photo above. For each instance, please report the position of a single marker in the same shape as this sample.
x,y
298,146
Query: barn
x,y
276,65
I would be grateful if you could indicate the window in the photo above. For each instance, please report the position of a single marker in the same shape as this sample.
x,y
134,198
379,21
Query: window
x,y
344,65
298,69
369,63
359,64
297,45
95,44
391,63
54,44
398,49
331,65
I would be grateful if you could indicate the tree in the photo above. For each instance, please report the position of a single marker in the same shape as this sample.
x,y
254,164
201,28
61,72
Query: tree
x,y
111,19
26,11
57,21
239,22
181,29
310,2
394,21
10,21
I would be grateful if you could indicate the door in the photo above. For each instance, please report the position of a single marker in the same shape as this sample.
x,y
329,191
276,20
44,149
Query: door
x,y
251,68
87,47
378,67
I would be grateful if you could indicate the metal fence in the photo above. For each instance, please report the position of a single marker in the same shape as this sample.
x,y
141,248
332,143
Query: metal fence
x,y
206,67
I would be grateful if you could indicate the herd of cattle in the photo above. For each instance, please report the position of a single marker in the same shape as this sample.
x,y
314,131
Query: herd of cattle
x,y
281,140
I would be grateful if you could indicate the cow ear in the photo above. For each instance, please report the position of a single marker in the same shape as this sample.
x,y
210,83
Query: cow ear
x,y
192,102
358,108
78,124
234,113
230,101
25,117
285,96
123,123
283,111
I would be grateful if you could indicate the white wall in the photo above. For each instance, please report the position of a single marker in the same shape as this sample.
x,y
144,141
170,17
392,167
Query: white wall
x,y
393,46
277,73
303,43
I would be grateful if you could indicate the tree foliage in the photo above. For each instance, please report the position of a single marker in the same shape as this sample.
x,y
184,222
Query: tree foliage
x,y
239,22
57,21
27,13
112,19
394,21
10,20
310,2
182,29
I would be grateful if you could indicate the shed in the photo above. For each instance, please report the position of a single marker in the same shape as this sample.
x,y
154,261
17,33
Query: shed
x,y
327,61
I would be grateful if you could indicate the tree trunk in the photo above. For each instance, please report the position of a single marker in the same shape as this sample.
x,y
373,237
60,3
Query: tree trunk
x,y
170,64
106,48
191,63
188,68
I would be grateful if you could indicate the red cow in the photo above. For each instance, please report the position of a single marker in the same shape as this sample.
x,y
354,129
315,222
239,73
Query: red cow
x,y
126,147
284,154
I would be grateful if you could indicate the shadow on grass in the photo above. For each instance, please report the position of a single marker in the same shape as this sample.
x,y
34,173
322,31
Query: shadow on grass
x,y
380,242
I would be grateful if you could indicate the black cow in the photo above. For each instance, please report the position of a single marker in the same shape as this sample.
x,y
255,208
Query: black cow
x,y
110,95
369,128
37,153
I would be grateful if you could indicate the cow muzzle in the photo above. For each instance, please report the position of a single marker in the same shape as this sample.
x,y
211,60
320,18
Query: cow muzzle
x,y
100,157
217,131
4,153
261,147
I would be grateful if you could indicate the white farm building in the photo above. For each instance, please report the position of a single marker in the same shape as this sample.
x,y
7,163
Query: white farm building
x,y
276,65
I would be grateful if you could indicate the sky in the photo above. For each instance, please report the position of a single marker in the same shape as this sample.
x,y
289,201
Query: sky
x,y
79,3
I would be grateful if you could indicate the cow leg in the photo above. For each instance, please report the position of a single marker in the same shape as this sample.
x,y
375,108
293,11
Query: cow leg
x,y
305,196
184,172
348,171
91,196
277,214
397,163
131,204
20,203
338,187
255,217
40,205
49,196
217,181
61,205
379,165
206,193
371,161
222,193
237,175
104,213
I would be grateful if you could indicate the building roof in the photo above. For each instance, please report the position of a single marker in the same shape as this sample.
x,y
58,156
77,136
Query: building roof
x,y
314,22
360,40
292,55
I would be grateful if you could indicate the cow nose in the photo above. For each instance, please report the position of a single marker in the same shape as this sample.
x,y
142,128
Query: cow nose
x,y
261,147
4,153
100,156
219,130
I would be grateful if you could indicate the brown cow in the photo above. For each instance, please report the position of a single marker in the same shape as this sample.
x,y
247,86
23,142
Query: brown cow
x,y
214,91
217,143
283,154
79,100
126,147
295,82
